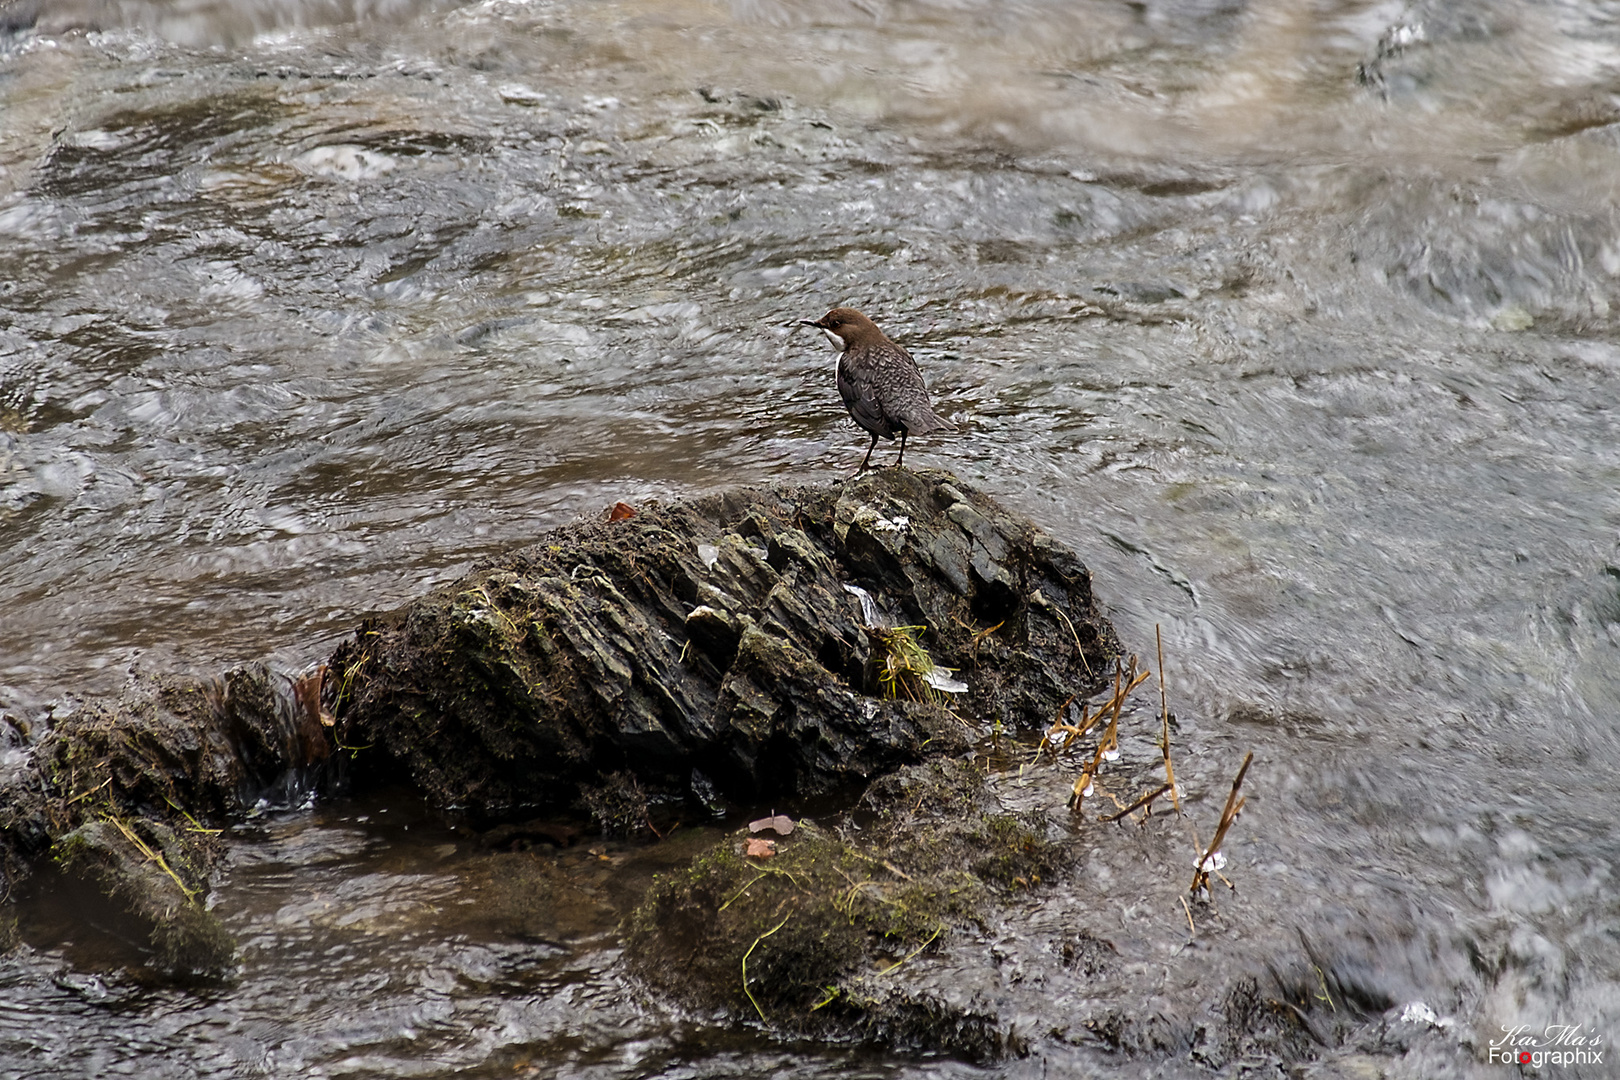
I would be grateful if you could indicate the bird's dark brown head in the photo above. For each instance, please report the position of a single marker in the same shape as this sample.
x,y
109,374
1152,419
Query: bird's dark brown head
x,y
850,325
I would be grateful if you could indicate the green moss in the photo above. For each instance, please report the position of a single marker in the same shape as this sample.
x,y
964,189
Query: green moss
x,y
905,665
828,924
1016,855
696,926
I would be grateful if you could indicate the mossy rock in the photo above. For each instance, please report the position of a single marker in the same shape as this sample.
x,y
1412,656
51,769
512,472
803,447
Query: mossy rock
x,y
826,927
127,792
160,877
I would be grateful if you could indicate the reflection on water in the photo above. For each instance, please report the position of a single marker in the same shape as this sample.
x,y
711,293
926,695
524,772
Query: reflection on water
x,y
1296,319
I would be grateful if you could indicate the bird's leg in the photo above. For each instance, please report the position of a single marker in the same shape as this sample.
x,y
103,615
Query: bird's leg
x,y
867,460
902,456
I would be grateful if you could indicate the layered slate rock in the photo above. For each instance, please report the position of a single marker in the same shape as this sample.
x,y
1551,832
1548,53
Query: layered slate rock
x,y
733,641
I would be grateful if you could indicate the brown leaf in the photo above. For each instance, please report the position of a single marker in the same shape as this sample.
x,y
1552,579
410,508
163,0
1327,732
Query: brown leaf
x,y
620,511
761,849
780,824
310,717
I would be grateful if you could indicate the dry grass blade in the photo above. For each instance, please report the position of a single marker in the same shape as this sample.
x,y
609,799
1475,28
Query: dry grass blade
x,y
86,794
196,826
154,855
1164,715
1139,803
1078,648
764,872
913,954
1233,806
751,999
978,635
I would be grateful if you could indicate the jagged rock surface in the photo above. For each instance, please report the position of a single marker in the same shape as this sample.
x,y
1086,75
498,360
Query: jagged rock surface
x,y
722,635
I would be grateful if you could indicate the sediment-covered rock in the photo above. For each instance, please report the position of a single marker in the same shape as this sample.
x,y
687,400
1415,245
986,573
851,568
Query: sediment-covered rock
x,y
962,907
159,874
128,793
767,642
816,939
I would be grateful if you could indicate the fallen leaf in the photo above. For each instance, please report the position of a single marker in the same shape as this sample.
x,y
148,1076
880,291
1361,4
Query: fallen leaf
x,y
620,511
761,849
780,824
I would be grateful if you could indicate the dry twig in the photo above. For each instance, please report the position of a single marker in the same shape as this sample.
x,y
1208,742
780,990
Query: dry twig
x,y
1164,713
1234,806
1110,738
1072,733
1139,803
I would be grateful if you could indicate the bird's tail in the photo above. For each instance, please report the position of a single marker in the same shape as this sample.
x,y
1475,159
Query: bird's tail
x,y
928,421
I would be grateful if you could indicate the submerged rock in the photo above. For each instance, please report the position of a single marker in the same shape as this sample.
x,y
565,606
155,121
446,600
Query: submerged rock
x,y
962,908
127,795
770,642
160,875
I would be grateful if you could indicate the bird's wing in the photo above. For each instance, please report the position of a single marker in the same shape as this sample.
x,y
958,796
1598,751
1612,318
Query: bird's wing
x,y
908,398
901,349
863,407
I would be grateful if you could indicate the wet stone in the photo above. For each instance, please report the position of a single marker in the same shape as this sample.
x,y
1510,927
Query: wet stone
x,y
127,795
950,555
618,647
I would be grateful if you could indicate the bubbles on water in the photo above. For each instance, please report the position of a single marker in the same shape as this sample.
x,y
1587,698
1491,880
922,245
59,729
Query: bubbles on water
x,y
351,163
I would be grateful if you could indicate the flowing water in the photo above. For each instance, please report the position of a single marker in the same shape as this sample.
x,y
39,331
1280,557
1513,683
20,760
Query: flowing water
x,y
1296,318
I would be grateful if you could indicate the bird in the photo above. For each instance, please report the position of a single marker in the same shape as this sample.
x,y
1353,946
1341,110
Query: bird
x,y
879,382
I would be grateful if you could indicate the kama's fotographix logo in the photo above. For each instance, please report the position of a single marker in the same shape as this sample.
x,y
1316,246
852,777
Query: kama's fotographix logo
x,y
1555,1044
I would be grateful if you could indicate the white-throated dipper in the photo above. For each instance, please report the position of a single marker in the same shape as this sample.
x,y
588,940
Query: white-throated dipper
x,y
879,382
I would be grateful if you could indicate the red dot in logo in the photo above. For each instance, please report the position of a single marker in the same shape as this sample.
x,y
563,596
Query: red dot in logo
x,y
1524,1057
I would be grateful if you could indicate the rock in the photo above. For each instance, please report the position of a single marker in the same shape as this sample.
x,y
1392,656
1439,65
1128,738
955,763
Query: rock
x,y
831,931
758,644
725,635
125,793
161,877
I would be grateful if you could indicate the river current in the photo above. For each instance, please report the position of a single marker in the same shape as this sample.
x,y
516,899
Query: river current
x,y
1296,319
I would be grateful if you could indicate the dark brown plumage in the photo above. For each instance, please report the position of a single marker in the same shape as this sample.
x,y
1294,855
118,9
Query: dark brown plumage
x,y
879,382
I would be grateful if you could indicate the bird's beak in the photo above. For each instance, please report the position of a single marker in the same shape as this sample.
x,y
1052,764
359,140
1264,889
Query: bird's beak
x,y
810,322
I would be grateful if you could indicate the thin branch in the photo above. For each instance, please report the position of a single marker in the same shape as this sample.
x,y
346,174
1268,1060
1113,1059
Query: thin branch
x,y
1230,813
1139,803
1164,713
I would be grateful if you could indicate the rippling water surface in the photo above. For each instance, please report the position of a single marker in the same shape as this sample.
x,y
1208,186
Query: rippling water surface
x,y
1297,319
